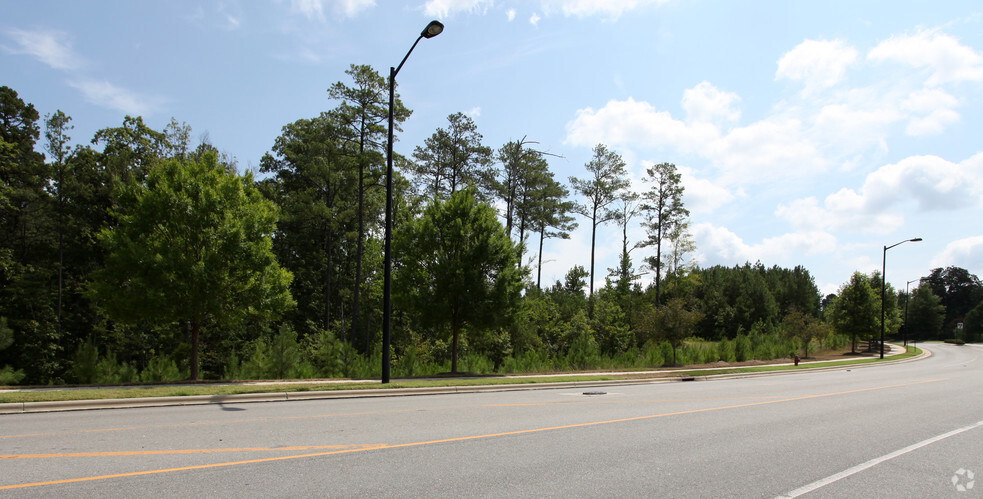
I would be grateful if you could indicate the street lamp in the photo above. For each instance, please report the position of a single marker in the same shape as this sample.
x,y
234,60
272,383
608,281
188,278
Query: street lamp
x,y
884,283
433,29
907,297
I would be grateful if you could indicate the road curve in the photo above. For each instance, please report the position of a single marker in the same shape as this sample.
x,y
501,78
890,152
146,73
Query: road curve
x,y
912,429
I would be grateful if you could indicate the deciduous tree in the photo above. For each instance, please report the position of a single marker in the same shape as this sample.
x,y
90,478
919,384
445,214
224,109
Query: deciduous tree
x,y
926,313
856,310
672,322
192,245
457,267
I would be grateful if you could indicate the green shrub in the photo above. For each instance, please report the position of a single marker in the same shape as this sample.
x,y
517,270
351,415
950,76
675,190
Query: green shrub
x,y
477,364
284,354
326,354
233,368
654,355
529,361
742,348
85,364
726,351
111,372
8,376
162,368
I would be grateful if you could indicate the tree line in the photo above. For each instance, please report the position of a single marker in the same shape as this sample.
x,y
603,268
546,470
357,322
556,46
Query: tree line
x,y
137,257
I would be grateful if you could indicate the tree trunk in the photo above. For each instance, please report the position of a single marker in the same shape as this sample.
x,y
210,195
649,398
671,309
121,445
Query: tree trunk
x,y
361,231
593,235
539,266
195,336
327,282
455,334
658,267
522,239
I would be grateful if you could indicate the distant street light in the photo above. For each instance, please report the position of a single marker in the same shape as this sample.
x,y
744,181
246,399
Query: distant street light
x,y
884,284
906,298
433,29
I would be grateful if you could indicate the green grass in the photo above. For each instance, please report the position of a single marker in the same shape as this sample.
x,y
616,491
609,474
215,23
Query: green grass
x,y
218,389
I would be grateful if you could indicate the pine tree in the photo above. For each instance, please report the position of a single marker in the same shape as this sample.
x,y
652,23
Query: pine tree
x,y
600,189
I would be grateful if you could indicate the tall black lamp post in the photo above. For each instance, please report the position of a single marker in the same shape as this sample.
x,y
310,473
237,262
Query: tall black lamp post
x,y
884,284
433,29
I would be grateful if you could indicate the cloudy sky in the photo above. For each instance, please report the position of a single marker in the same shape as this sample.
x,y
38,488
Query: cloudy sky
x,y
808,133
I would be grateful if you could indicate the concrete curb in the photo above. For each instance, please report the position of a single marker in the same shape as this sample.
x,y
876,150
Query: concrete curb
x,y
78,405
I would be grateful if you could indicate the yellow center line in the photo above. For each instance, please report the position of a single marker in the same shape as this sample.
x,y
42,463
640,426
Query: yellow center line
x,y
463,439
205,423
188,451
629,401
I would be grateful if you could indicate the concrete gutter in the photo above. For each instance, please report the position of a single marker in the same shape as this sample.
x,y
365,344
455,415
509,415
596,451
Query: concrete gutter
x,y
77,405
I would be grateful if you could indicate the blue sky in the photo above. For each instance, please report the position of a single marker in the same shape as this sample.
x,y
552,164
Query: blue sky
x,y
809,133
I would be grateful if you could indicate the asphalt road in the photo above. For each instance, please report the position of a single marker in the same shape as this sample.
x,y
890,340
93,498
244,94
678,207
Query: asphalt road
x,y
906,430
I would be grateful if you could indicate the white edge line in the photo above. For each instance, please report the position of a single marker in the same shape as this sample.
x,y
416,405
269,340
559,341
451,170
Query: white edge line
x,y
805,489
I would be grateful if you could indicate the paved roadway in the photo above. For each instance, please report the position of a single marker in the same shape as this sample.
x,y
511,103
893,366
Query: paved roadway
x,y
901,430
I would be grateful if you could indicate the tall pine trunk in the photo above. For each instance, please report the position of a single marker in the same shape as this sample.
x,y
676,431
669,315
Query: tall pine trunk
x,y
593,236
539,266
360,247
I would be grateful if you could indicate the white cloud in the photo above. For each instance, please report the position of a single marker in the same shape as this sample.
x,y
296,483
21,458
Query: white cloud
x,y
701,195
612,9
103,93
934,183
844,210
232,23
853,124
707,103
767,150
626,122
474,112
932,111
720,246
49,46
609,9
946,59
937,184
311,9
352,8
314,9
818,64
445,8
966,253
775,147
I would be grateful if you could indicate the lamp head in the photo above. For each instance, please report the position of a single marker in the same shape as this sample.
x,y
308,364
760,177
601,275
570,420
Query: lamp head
x,y
915,240
433,29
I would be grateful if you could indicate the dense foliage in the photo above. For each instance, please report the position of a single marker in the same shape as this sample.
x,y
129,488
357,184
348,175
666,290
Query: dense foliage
x,y
139,258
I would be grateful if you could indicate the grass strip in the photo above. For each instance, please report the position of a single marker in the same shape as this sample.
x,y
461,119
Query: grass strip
x,y
56,395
